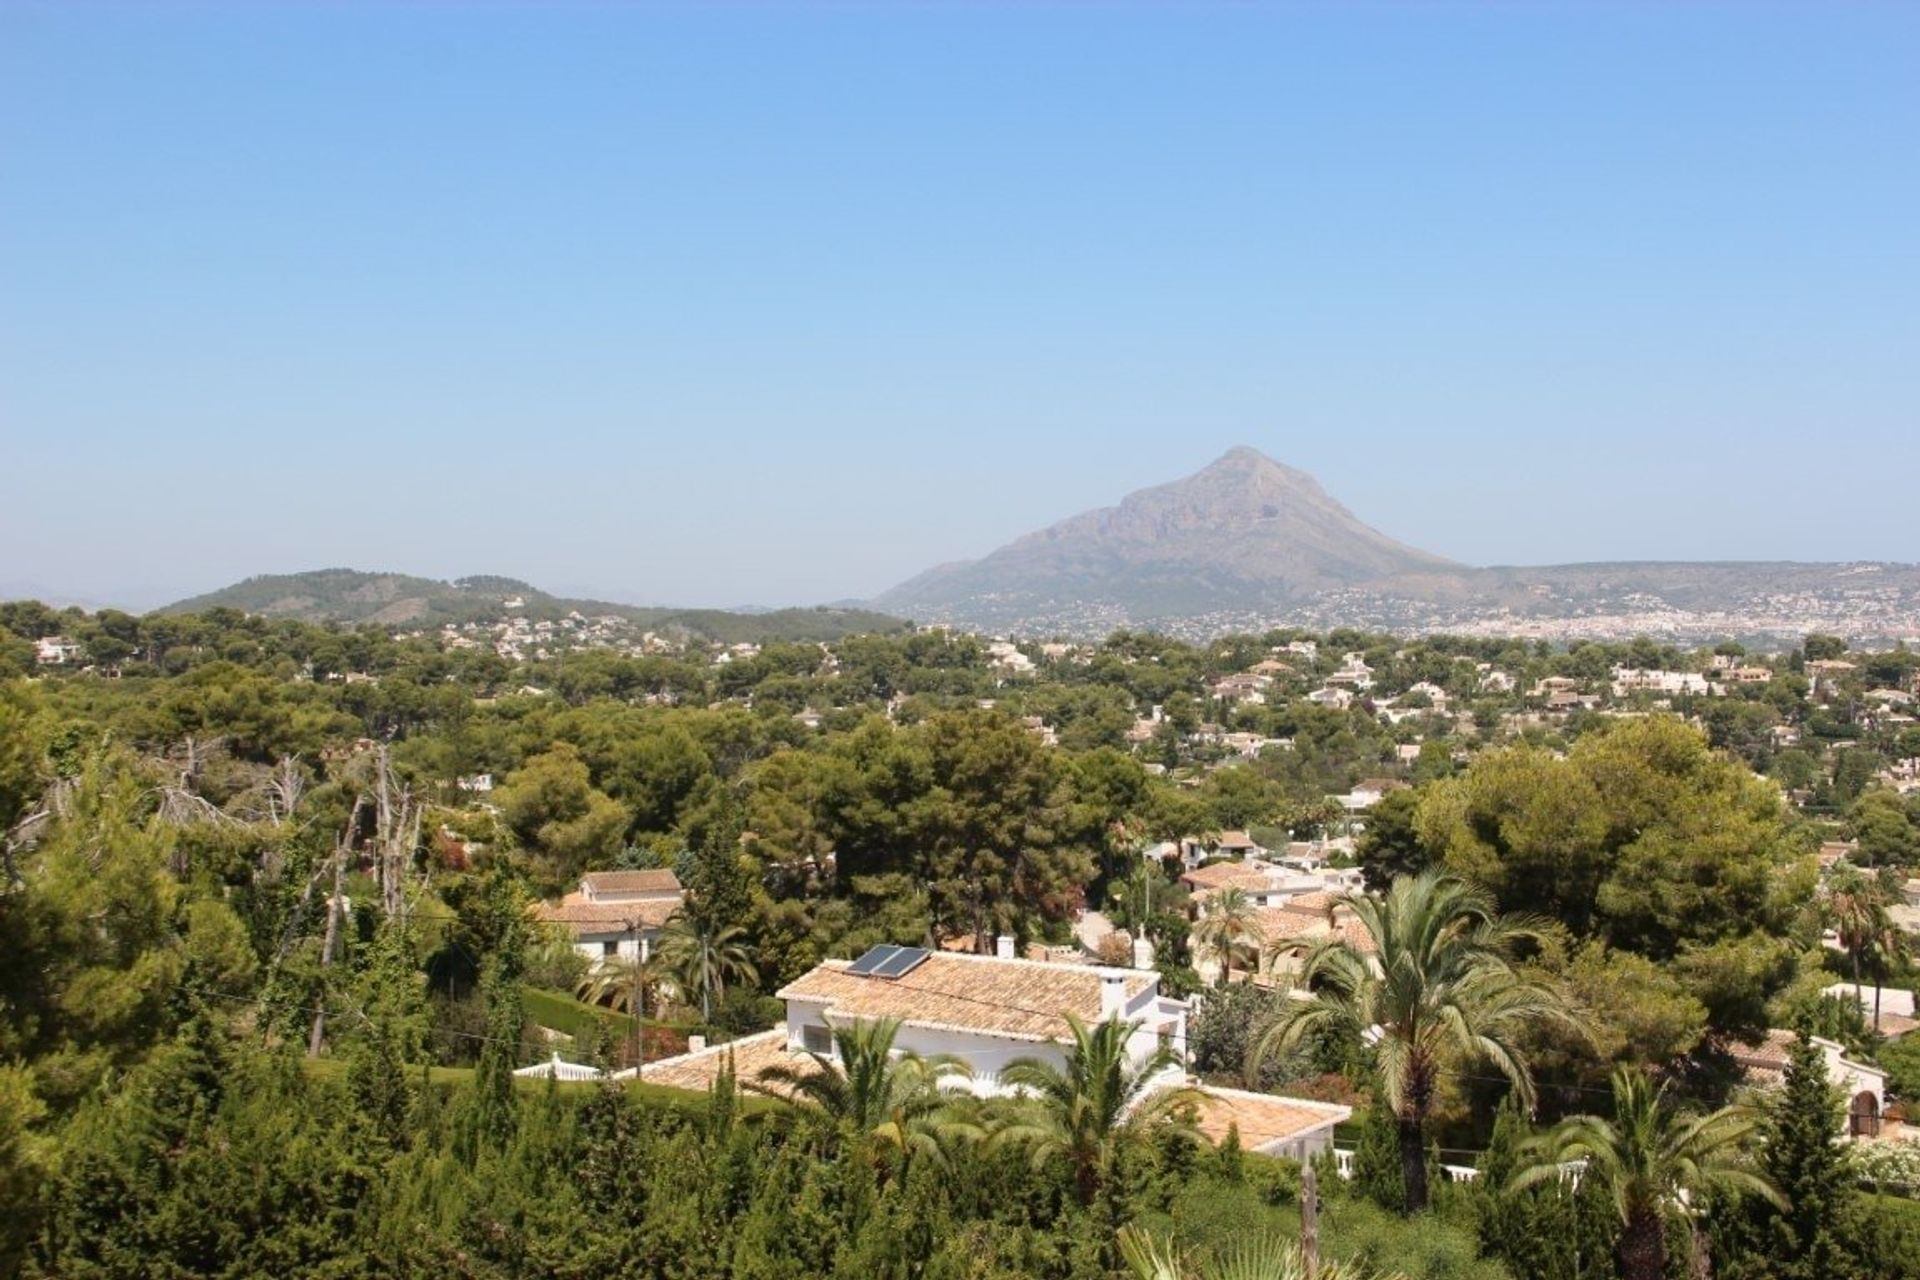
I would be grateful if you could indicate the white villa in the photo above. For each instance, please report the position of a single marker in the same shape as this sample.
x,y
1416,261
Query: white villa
x,y
985,1010
616,913
989,1011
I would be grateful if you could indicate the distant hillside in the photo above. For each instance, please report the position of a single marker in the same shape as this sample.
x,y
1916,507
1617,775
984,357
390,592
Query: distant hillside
x,y
1245,530
402,601
1248,543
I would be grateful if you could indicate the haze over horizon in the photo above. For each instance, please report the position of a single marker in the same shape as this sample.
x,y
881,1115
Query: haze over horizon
x,y
777,306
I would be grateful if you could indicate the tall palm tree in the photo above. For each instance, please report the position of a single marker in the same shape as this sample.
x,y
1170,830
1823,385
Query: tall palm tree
x,y
1256,1257
1093,1106
1444,992
866,1090
1857,905
1891,944
1650,1158
698,959
1226,927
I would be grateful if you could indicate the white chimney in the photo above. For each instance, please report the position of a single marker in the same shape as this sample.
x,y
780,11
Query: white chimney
x,y
696,1043
1142,953
1113,994
1003,946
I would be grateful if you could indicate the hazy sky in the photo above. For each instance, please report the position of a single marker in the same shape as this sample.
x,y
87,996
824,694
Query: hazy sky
x,y
783,303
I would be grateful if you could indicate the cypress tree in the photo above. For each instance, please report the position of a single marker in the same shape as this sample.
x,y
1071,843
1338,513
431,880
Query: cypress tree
x,y
1377,1172
490,1121
1805,1160
1548,1232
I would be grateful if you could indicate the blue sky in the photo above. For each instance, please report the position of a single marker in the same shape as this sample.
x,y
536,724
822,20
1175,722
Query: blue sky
x,y
783,303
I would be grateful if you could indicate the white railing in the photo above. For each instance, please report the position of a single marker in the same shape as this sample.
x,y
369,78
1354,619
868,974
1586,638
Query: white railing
x,y
1568,1172
555,1069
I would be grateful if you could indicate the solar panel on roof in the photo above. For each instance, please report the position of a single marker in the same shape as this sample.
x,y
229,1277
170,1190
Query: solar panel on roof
x,y
904,961
875,957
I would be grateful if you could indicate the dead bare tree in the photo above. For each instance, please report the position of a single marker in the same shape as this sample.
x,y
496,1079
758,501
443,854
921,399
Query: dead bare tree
x,y
397,813
284,789
195,754
336,908
26,831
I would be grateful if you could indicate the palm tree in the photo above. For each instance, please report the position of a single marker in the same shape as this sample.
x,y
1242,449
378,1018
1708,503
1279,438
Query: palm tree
x,y
699,959
622,983
1890,942
1094,1105
1858,907
1440,988
1258,1257
866,1090
1650,1158
1227,926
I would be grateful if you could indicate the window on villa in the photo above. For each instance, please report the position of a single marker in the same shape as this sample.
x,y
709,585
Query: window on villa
x,y
610,948
817,1039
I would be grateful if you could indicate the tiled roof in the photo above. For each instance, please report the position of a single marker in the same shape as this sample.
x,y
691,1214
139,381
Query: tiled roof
x,y
582,917
751,1055
1317,903
1223,875
651,880
1278,924
1018,999
1773,1053
1262,1119
1894,1025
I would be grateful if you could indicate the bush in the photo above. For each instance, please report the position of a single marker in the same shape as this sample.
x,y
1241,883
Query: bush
x,y
1892,1167
742,1011
1229,1023
1207,1212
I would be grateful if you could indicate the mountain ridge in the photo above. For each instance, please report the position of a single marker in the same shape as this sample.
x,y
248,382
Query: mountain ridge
x,y
1248,542
1244,523
366,598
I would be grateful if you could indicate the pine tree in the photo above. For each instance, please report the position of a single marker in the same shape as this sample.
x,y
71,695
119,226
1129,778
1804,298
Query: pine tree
x,y
719,885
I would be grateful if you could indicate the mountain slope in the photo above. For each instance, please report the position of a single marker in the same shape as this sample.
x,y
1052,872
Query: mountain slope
x,y
1245,532
400,600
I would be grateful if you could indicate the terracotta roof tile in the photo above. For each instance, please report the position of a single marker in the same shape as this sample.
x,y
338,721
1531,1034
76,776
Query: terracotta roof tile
x,y
1019,999
582,917
1277,924
1262,1119
697,1071
650,880
1222,875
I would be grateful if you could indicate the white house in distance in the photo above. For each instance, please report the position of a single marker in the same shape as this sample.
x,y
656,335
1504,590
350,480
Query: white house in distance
x,y
616,913
57,651
989,1011
1893,1006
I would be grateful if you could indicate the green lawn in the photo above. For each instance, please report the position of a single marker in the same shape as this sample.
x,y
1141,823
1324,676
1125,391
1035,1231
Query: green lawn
x,y
570,1017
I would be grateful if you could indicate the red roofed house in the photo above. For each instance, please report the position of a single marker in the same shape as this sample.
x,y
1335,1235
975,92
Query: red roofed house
x,y
616,913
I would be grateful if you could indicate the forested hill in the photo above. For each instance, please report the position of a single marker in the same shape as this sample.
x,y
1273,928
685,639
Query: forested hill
x,y
401,600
